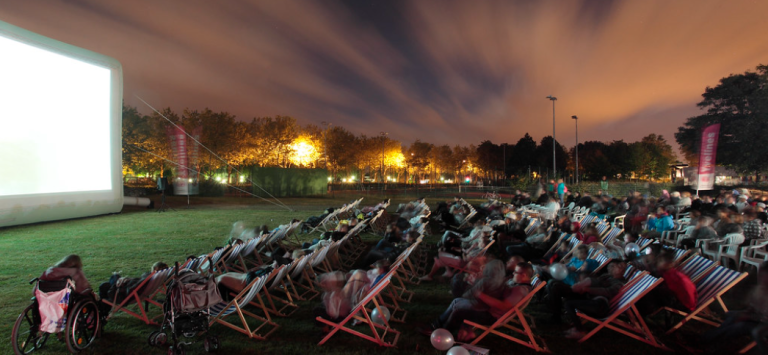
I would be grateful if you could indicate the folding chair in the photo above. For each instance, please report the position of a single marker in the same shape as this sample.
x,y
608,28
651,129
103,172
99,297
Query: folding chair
x,y
697,266
515,321
295,277
380,333
142,296
643,242
532,226
754,255
612,234
279,285
602,259
624,303
680,254
618,221
330,217
220,311
709,289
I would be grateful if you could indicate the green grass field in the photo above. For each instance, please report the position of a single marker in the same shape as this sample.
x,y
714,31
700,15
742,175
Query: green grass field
x,y
131,241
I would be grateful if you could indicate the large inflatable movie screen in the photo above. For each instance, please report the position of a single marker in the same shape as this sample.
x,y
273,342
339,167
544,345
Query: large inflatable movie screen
x,y
60,130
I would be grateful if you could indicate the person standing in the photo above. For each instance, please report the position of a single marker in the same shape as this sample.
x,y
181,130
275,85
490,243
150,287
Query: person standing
x,y
604,185
561,190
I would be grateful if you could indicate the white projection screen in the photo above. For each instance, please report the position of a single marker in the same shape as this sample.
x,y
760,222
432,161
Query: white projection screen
x,y
60,130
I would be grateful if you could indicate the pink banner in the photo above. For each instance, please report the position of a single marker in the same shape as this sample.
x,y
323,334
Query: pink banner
x,y
186,157
707,157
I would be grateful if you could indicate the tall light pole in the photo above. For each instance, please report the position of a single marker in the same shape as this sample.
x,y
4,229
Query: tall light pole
x,y
577,148
381,172
554,165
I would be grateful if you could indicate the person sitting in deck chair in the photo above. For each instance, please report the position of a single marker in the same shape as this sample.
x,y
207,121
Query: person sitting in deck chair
x,y
592,296
483,304
677,291
447,260
335,305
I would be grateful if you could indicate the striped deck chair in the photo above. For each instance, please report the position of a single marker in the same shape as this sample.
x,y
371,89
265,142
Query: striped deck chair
x,y
631,272
249,256
380,334
708,290
612,234
296,278
618,221
602,228
602,259
573,242
279,285
394,293
697,266
327,220
481,253
586,220
532,226
515,321
331,256
220,311
643,242
680,254
141,296
624,303
563,236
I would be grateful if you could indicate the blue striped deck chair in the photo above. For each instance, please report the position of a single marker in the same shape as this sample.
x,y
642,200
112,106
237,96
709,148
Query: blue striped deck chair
x,y
586,221
221,311
515,321
563,236
643,242
680,254
624,303
230,257
573,242
602,228
697,267
708,290
612,234
532,226
631,272
602,259
380,334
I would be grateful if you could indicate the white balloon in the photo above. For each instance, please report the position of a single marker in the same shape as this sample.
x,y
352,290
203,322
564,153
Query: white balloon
x,y
376,316
458,350
631,249
558,271
441,339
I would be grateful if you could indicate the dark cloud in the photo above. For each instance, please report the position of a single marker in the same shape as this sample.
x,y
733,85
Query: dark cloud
x,y
442,71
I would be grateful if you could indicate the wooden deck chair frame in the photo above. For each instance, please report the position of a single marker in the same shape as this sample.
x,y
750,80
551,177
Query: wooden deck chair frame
x,y
295,278
515,321
148,287
247,297
279,285
397,313
463,268
635,327
379,332
325,221
612,234
574,243
709,289
560,239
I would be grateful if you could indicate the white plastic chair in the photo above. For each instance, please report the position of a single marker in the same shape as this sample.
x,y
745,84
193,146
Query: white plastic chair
x,y
727,248
754,255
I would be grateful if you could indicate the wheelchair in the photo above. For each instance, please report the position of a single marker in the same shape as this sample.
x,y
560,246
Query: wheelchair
x,y
83,321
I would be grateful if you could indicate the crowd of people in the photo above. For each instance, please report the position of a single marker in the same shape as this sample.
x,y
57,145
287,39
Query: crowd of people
x,y
490,255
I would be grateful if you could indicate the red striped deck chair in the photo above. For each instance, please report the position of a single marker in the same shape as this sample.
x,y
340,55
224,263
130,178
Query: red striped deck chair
x,y
382,335
624,303
141,296
250,324
515,321
708,290
697,266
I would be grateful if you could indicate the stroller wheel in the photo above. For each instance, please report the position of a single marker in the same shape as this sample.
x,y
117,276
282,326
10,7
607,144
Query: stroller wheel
x,y
178,350
157,338
211,344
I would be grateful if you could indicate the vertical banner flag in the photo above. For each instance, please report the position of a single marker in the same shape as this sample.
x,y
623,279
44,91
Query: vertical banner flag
x,y
186,160
707,157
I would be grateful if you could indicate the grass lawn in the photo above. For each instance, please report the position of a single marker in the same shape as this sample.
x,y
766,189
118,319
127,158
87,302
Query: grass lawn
x,y
130,242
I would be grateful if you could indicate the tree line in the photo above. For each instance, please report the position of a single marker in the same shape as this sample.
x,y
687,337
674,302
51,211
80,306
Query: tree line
x,y
281,142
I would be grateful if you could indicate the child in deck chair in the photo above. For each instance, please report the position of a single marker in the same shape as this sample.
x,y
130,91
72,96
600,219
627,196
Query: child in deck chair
x,y
677,290
593,296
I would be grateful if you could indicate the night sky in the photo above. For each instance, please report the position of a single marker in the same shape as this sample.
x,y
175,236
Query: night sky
x,y
446,72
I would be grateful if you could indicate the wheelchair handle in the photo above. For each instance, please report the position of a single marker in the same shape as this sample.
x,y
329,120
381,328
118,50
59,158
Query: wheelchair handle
x,y
33,280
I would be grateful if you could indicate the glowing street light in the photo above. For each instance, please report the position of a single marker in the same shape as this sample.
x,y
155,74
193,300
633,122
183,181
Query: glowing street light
x,y
554,166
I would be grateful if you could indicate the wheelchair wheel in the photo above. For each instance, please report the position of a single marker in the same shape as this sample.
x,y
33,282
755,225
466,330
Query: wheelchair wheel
x,y
26,335
82,325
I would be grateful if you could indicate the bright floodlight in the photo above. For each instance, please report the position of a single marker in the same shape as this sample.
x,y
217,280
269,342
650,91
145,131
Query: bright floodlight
x,y
60,130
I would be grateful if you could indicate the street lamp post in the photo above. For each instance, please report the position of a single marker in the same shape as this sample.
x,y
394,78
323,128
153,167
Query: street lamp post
x,y
554,165
381,172
577,148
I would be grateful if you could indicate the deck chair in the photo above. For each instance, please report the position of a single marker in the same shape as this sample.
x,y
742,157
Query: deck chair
x,y
532,226
328,219
624,303
279,285
481,253
643,242
696,267
618,221
221,311
602,259
515,321
709,289
141,296
382,335
680,254
573,242
754,255
299,274
612,234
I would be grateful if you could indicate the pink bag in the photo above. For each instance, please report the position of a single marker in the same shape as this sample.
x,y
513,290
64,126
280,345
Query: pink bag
x,y
53,309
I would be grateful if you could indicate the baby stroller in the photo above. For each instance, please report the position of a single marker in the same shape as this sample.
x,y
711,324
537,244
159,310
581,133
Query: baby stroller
x,y
57,309
186,310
